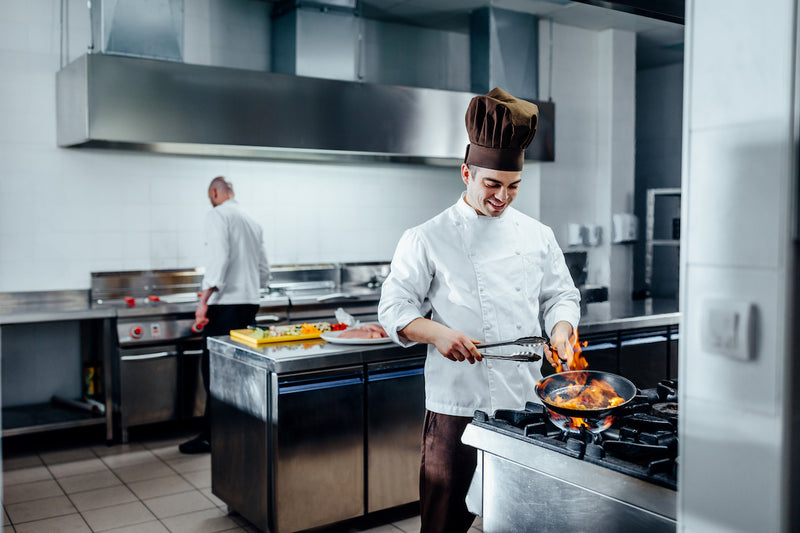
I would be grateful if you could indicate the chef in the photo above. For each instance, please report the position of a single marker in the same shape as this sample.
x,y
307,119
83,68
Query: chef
x,y
483,271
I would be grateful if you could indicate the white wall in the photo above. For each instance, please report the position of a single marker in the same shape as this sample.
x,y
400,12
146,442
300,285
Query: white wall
x,y
593,87
738,192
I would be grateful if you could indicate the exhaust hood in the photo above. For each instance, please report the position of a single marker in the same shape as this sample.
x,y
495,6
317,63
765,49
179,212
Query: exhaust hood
x,y
137,93
112,101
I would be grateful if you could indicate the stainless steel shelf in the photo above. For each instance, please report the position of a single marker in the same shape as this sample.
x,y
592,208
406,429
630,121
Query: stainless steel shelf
x,y
37,418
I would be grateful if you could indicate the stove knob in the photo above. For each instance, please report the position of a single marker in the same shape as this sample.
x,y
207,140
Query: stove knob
x,y
136,332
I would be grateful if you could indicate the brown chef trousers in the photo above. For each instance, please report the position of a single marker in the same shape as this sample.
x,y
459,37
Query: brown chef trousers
x,y
445,474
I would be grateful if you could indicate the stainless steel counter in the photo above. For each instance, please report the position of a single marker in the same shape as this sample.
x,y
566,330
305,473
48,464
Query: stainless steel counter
x,y
615,315
48,306
301,356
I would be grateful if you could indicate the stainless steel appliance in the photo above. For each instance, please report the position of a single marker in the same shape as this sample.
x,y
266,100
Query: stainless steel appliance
x,y
156,374
534,476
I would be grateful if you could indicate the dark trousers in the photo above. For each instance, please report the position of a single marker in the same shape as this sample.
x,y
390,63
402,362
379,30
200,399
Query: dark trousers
x,y
221,320
445,474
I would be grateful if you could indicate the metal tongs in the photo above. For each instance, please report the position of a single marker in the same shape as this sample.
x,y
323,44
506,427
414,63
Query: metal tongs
x,y
528,342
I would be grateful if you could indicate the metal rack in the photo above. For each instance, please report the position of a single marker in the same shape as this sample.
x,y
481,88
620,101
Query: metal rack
x,y
650,241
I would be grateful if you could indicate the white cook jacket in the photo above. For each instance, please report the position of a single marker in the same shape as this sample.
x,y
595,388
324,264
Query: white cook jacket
x,y
236,263
486,277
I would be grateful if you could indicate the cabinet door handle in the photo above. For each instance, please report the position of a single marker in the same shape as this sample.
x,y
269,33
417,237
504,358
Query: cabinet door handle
x,y
144,356
192,352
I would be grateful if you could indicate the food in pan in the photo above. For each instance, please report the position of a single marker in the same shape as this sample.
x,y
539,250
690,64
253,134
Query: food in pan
x,y
598,394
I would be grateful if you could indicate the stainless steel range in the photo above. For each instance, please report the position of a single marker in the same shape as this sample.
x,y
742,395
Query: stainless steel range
x,y
533,476
156,370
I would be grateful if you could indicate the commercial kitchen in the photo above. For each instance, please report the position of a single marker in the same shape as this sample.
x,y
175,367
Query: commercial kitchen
x,y
666,163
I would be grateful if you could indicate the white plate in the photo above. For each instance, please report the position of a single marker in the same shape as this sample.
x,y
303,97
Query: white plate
x,y
333,336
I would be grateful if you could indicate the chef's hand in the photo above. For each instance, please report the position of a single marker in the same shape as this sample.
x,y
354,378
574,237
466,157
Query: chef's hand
x,y
200,319
454,345
560,349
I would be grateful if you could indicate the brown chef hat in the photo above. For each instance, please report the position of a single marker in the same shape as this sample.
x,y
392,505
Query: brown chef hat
x,y
500,127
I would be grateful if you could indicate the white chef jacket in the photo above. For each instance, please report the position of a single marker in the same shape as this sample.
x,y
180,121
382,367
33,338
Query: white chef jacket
x,y
486,277
236,263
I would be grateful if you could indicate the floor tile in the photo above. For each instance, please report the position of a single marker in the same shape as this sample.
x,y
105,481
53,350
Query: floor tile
x,y
92,481
409,525
141,472
8,529
21,461
105,497
176,504
67,456
200,479
191,464
388,528
6,521
39,509
168,452
138,457
35,490
210,495
145,527
25,475
162,486
126,514
74,468
119,449
72,523
210,521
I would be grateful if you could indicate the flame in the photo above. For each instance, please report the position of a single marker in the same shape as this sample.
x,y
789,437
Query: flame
x,y
598,394
579,362
574,424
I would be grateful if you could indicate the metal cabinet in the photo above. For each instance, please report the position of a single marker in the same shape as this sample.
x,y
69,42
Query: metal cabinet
x,y
148,386
643,356
191,387
395,418
318,448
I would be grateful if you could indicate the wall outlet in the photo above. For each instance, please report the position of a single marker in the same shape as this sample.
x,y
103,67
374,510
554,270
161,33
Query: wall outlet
x,y
729,328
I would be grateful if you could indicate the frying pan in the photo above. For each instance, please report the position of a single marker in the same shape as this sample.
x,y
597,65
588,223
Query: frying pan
x,y
564,381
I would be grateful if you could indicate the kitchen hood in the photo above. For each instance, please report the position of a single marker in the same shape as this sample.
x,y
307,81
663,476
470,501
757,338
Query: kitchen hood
x,y
113,101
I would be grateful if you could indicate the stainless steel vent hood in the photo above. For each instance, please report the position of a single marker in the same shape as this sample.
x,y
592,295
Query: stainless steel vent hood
x,y
163,106
311,108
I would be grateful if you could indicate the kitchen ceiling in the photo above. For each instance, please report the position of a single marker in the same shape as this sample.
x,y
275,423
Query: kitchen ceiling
x,y
658,42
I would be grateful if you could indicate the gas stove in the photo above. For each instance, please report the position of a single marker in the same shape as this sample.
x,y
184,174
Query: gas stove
x,y
533,475
641,442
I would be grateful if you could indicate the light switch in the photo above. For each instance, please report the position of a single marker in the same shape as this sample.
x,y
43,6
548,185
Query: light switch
x,y
729,328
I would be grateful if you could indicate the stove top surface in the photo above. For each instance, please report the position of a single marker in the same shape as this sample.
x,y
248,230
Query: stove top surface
x,y
642,440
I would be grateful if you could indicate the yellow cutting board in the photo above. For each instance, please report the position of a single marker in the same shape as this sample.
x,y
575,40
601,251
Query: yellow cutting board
x,y
243,335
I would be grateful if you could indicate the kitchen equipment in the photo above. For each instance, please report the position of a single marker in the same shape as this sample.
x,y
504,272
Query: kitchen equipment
x,y
243,335
522,341
528,357
566,382
621,479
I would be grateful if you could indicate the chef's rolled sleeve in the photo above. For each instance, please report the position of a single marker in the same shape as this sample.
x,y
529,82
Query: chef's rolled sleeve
x,y
403,292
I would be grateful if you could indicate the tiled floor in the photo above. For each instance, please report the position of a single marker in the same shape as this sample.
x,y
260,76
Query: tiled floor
x,y
142,487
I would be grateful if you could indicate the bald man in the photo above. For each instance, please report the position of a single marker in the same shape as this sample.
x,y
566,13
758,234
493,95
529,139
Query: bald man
x,y
236,270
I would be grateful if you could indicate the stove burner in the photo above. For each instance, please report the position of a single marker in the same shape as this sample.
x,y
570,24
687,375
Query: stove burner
x,y
666,410
642,441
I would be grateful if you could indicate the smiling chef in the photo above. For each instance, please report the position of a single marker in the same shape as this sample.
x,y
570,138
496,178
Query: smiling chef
x,y
484,270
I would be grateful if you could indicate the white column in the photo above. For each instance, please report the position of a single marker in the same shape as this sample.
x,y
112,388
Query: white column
x,y
737,191
616,142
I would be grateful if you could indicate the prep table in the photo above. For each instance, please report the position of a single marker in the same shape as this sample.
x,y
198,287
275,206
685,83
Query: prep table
x,y
309,433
